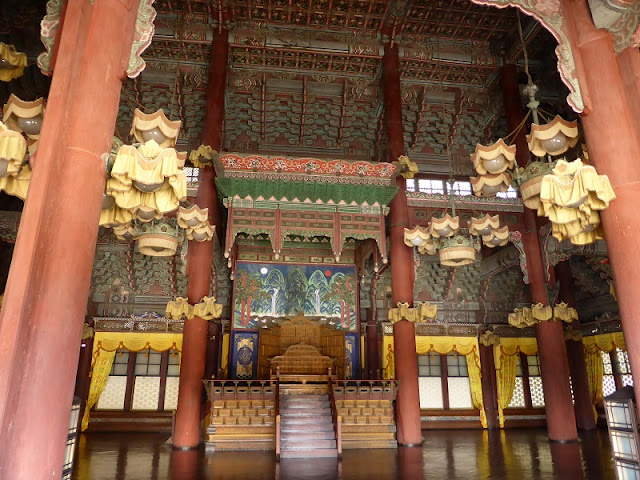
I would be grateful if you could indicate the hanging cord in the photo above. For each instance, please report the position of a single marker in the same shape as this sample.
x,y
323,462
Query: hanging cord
x,y
176,83
448,150
524,50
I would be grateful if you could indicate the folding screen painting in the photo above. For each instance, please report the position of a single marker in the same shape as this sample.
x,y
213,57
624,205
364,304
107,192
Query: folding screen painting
x,y
271,290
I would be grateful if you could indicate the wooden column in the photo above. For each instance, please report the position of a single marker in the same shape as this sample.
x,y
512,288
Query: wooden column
x,y
406,359
213,342
489,386
550,336
577,367
83,379
629,67
46,295
614,149
187,424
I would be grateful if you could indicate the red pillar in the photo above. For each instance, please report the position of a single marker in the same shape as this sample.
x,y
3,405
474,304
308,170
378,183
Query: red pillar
x,y
577,367
489,386
614,149
629,67
550,336
194,340
406,359
46,295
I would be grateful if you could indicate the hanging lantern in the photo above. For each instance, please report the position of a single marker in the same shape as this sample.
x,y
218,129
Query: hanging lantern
x,y
203,156
405,167
155,126
553,138
416,236
126,232
490,184
493,159
24,117
496,238
12,63
484,225
195,221
530,180
571,196
458,251
148,179
158,239
446,226
13,149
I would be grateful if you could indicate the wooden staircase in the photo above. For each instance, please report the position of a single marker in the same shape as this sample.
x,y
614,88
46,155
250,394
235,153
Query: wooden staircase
x,y
306,426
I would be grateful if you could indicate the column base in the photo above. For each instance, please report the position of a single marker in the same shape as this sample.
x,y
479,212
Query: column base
x,y
410,444
186,449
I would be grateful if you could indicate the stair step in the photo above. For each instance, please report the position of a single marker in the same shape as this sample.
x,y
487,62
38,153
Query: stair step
x,y
293,428
306,421
320,452
310,396
306,444
307,435
303,412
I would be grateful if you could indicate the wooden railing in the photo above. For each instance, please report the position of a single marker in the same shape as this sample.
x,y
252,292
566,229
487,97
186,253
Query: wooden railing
x,y
365,389
217,389
277,419
337,419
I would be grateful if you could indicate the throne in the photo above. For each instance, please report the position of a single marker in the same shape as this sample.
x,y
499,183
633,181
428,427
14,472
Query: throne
x,y
302,363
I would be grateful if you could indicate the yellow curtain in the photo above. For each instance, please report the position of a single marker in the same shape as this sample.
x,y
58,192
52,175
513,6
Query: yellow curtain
x,y
593,346
224,361
505,356
100,370
605,342
595,373
467,346
134,342
105,345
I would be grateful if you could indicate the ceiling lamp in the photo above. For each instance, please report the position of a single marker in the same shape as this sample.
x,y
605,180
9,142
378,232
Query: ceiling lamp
x,y
529,180
571,196
111,215
496,238
159,239
12,63
148,179
493,159
195,221
484,225
458,250
421,238
444,226
15,173
207,309
126,232
203,156
490,184
24,117
155,126
13,149
405,167
553,138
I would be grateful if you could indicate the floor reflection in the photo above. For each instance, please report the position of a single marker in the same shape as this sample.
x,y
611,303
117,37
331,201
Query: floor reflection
x,y
458,454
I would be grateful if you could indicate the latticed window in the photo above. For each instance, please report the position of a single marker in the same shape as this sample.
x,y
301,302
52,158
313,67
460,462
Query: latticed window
x,y
624,369
410,184
120,363
456,366
192,174
517,400
608,380
510,193
535,381
148,363
145,380
460,188
431,186
429,365
444,381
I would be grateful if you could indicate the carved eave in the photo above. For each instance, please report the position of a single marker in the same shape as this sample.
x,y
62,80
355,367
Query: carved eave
x,y
483,204
620,18
147,323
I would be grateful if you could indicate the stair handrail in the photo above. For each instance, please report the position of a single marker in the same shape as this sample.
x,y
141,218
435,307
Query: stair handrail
x,y
277,419
337,419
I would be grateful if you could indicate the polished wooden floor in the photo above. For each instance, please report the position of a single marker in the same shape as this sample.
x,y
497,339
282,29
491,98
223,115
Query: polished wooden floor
x,y
459,454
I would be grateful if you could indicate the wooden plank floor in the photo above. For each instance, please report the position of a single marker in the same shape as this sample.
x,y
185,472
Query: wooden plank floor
x,y
524,454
